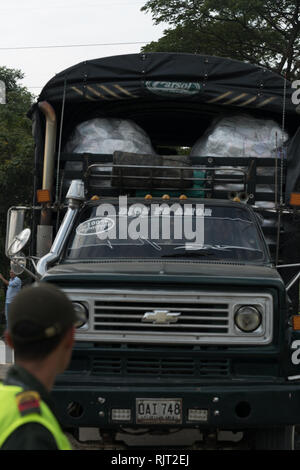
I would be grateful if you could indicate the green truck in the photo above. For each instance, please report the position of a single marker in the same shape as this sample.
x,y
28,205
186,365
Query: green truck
x,y
166,207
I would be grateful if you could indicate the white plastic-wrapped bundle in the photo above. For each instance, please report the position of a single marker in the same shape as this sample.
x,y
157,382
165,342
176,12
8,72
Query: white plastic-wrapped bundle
x,y
107,135
242,136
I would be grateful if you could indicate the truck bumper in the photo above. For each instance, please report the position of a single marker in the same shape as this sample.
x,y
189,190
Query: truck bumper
x,y
216,407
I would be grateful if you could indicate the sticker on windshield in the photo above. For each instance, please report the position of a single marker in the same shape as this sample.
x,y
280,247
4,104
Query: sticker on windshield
x,y
95,226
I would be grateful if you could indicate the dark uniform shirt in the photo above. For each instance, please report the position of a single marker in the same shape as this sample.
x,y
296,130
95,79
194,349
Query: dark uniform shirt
x,y
29,436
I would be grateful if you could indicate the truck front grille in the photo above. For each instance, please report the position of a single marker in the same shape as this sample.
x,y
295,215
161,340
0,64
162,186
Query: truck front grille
x,y
170,317
199,317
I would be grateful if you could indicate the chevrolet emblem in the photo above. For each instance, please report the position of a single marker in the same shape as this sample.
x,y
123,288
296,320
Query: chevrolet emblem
x,y
161,316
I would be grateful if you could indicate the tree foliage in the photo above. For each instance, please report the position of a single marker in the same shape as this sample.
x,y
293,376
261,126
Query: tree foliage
x,y
16,149
16,142
263,32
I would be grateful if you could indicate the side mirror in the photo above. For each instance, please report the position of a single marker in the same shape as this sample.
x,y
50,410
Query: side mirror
x,y
18,242
17,258
14,225
16,239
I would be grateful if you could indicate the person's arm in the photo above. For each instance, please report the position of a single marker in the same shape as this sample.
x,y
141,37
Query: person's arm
x,y
4,280
30,436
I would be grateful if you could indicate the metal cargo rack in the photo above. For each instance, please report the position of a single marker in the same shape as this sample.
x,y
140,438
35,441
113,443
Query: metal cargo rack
x,y
96,171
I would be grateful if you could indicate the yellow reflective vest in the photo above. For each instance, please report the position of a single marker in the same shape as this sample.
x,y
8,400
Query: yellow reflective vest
x,y
19,406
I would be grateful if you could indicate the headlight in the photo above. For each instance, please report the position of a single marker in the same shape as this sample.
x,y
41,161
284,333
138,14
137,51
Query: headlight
x,y
81,313
247,319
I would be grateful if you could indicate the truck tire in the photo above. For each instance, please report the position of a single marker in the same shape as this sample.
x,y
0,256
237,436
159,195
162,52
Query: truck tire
x,y
275,438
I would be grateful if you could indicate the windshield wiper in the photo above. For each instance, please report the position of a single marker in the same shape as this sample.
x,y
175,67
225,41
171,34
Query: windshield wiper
x,y
195,250
204,250
246,248
216,247
201,252
150,242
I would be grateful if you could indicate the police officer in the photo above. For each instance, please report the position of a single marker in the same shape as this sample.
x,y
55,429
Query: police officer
x,y
41,331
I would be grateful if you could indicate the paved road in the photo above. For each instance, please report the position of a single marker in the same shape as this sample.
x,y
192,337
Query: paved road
x,y
3,369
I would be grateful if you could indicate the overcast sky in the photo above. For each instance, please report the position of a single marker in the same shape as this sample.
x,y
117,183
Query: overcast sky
x,y
27,25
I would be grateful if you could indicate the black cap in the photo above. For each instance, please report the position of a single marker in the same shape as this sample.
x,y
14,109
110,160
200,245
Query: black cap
x,y
45,307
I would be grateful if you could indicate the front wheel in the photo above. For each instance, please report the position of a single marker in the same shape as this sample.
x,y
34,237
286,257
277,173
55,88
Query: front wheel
x,y
275,438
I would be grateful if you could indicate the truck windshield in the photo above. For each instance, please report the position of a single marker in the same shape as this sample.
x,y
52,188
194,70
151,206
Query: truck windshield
x,y
166,231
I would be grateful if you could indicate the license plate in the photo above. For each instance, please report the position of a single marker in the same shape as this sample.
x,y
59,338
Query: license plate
x,y
158,411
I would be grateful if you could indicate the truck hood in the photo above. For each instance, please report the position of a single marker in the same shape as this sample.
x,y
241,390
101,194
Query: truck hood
x,y
165,271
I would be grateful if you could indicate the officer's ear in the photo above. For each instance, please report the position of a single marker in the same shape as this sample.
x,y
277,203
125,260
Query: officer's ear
x,y
69,338
8,339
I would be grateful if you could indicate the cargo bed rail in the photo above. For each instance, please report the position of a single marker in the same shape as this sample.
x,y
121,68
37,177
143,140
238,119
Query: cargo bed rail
x,y
260,180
